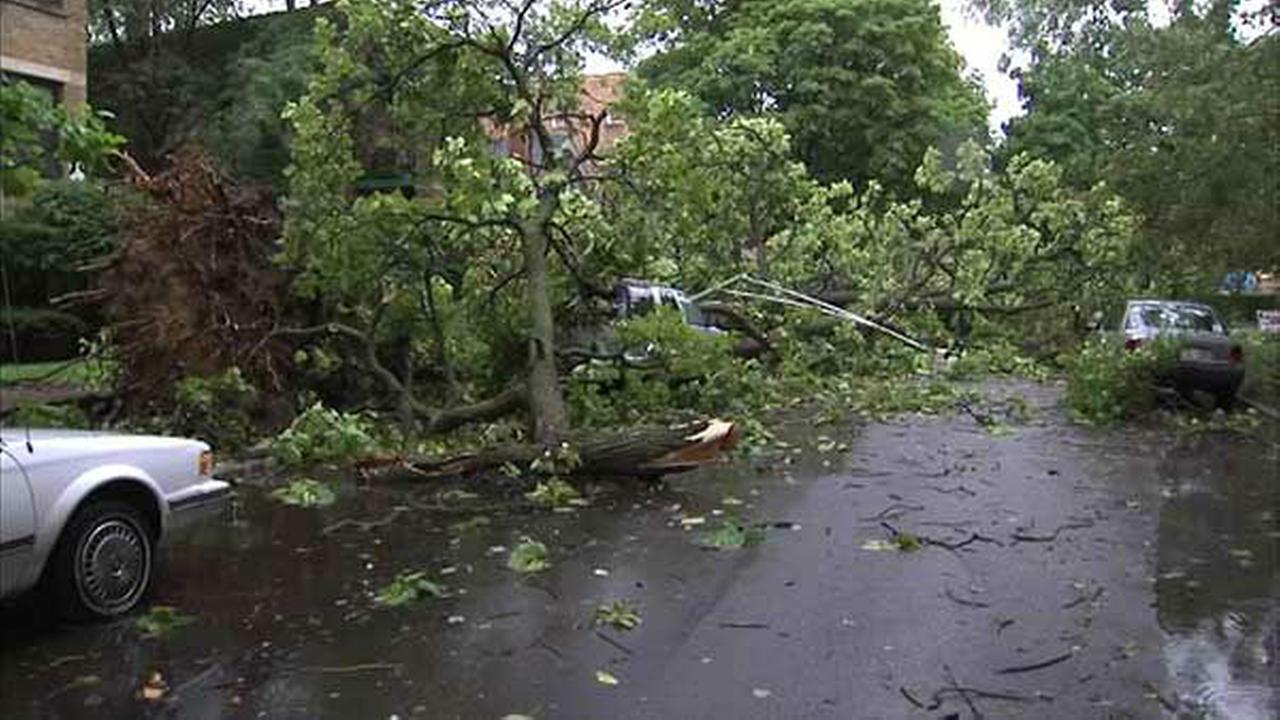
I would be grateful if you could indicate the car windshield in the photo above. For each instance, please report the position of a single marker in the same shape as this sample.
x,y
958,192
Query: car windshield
x,y
1181,317
693,315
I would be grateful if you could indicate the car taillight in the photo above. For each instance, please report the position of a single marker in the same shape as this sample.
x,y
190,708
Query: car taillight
x,y
206,463
1132,343
1237,354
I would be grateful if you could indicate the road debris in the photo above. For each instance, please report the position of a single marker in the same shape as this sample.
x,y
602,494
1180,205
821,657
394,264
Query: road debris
x,y
961,601
1021,534
530,556
408,587
619,614
161,620
154,689
1037,666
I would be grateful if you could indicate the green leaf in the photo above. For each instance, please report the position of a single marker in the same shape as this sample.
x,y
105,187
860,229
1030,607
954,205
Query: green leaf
x,y
161,620
619,614
556,493
730,534
305,492
408,587
530,556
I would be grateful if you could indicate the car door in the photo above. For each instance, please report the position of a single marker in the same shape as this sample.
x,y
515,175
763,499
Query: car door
x,y
17,524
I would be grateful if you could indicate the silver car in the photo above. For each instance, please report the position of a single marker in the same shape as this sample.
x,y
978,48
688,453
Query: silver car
x,y
1209,360
81,513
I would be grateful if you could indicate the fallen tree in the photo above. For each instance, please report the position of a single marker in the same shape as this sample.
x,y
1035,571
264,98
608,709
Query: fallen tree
x,y
193,290
637,453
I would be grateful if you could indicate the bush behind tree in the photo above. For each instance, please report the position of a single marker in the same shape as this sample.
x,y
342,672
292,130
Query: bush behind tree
x,y
1107,384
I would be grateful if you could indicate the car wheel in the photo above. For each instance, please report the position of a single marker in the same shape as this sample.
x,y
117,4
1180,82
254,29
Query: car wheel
x,y
103,562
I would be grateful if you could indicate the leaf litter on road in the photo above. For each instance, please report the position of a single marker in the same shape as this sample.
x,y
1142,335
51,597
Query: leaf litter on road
x,y
619,614
161,620
530,556
408,587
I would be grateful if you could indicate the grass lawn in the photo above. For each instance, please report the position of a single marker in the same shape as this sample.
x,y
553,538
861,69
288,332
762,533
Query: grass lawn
x,y
75,371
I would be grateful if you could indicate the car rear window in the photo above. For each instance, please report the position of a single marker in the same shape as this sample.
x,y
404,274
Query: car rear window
x,y
1181,317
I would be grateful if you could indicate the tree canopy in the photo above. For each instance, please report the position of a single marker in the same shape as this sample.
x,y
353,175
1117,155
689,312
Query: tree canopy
x,y
222,85
39,133
475,269
1181,119
863,87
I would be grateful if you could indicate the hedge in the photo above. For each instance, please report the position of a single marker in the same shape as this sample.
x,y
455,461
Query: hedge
x,y
42,334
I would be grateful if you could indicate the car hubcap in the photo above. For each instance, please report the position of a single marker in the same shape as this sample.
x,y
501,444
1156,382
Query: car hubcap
x,y
113,566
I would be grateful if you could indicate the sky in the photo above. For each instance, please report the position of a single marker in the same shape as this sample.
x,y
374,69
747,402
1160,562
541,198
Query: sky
x,y
981,45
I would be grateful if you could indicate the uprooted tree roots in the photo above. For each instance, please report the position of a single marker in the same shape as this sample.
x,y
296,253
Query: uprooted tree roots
x,y
193,290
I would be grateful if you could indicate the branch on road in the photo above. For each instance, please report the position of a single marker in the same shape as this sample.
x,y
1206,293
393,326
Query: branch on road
x,y
1021,536
962,601
1037,666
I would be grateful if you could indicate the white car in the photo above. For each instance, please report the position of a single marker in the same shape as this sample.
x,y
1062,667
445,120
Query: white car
x,y
81,513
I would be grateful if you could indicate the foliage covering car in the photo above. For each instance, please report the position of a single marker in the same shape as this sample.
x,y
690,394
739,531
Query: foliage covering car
x,y
81,513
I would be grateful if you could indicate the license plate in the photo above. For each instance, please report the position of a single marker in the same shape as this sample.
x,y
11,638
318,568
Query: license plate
x,y
1197,355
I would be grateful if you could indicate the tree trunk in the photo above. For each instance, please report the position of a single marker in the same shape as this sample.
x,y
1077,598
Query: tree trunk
x,y
646,452
546,405
452,389
290,5
437,421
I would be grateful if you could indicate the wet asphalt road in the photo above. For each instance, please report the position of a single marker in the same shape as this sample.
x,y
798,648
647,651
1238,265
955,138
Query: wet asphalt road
x,y
1113,574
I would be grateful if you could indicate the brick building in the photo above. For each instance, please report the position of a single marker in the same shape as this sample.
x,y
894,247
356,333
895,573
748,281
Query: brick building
x,y
599,93
43,42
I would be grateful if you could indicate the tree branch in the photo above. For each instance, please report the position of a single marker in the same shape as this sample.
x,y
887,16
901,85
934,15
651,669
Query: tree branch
x,y
593,141
518,28
509,400
592,10
367,344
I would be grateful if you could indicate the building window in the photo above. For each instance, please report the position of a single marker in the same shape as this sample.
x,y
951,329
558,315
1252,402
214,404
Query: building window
x,y
561,146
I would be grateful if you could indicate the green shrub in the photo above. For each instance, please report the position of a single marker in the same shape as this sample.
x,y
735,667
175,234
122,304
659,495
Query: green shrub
x,y
680,370
998,358
1240,310
41,334
1107,384
1261,366
47,241
323,436
99,368
217,409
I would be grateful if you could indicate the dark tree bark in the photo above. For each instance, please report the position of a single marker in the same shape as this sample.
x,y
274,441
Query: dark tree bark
x,y
641,452
547,417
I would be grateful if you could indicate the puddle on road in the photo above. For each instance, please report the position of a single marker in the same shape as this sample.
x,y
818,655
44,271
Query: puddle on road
x,y
286,625
1218,576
